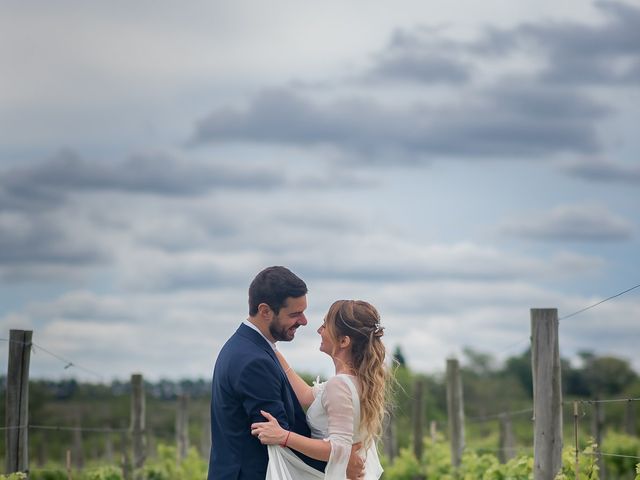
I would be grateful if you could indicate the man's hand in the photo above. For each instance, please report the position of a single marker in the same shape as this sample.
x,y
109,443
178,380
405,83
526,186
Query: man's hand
x,y
355,468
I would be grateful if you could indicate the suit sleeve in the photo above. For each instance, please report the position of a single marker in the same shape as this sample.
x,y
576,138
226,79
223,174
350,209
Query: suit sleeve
x,y
260,383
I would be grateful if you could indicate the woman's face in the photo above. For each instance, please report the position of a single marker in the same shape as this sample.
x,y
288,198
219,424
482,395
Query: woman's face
x,y
326,342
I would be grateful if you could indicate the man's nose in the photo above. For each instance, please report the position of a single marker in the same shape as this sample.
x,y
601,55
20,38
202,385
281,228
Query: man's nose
x,y
303,320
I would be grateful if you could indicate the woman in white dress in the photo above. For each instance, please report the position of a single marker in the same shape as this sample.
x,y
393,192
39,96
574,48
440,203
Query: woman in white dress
x,y
345,410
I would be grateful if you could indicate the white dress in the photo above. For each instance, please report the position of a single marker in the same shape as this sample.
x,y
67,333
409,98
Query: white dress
x,y
334,416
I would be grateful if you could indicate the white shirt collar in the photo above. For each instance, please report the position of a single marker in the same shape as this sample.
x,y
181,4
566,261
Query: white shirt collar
x,y
251,325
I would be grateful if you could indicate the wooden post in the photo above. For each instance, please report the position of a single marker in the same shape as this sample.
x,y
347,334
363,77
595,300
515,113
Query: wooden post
x,y
108,447
433,431
69,477
151,444
575,439
389,438
41,453
182,427
455,411
205,440
418,418
547,394
598,435
507,440
630,419
17,402
126,463
138,423
78,456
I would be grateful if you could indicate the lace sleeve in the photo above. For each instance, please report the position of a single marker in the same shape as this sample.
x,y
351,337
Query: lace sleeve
x,y
338,403
318,387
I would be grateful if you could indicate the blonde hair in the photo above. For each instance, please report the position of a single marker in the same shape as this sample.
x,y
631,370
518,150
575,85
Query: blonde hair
x,y
360,321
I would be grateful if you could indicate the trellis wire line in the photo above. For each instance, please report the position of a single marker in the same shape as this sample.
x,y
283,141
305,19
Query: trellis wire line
x,y
610,454
62,428
15,341
573,314
15,427
498,415
611,400
515,344
494,449
80,429
68,363
598,303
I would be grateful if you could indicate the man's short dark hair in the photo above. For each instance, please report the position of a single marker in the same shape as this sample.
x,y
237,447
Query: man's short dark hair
x,y
273,286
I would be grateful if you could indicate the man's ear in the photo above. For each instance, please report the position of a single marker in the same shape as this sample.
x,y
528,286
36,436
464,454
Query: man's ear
x,y
265,312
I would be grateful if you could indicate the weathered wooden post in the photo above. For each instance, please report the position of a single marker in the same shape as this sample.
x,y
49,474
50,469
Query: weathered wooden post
x,y
182,427
547,393
68,462
389,438
78,454
575,439
598,435
126,462
507,440
17,402
418,418
630,418
108,447
41,454
205,440
455,411
138,423
433,431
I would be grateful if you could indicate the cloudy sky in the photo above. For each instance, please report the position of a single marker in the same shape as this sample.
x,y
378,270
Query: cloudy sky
x,y
455,163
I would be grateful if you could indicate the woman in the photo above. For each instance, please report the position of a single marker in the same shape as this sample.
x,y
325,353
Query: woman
x,y
342,411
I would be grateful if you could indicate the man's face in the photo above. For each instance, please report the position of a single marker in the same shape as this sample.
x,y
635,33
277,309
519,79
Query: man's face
x,y
284,325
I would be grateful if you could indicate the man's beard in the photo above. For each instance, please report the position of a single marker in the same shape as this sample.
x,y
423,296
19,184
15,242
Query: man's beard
x,y
281,333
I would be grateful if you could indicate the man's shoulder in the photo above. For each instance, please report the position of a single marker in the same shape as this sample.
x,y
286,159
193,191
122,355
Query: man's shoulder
x,y
242,338
242,348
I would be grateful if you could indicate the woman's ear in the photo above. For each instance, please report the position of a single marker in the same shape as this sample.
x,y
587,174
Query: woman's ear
x,y
345,341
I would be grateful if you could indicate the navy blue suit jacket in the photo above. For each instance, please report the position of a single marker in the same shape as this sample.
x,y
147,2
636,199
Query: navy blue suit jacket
x,y
248,378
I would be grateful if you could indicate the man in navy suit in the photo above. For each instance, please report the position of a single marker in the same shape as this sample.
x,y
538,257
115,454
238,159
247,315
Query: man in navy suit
x,y
248,378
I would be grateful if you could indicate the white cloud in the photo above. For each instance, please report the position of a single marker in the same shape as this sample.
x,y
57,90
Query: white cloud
x,y
178,334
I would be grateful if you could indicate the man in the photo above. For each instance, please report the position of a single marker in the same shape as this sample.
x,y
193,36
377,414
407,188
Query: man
x,y
248,378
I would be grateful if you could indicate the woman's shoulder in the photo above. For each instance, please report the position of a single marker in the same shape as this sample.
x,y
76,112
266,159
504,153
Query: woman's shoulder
x,y
342,383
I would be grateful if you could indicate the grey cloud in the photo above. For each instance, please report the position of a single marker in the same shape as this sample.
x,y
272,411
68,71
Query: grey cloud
x,y
510,119
47,183
534,114
577,53
33,246
219,227
573,223
420,56
191,277
603,170
574,53
420,68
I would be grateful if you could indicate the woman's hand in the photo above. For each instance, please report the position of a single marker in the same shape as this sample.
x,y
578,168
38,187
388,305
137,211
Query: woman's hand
x,y
269,432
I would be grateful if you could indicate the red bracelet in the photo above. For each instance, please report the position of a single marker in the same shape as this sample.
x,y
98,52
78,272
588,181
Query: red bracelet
x,y
284,444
